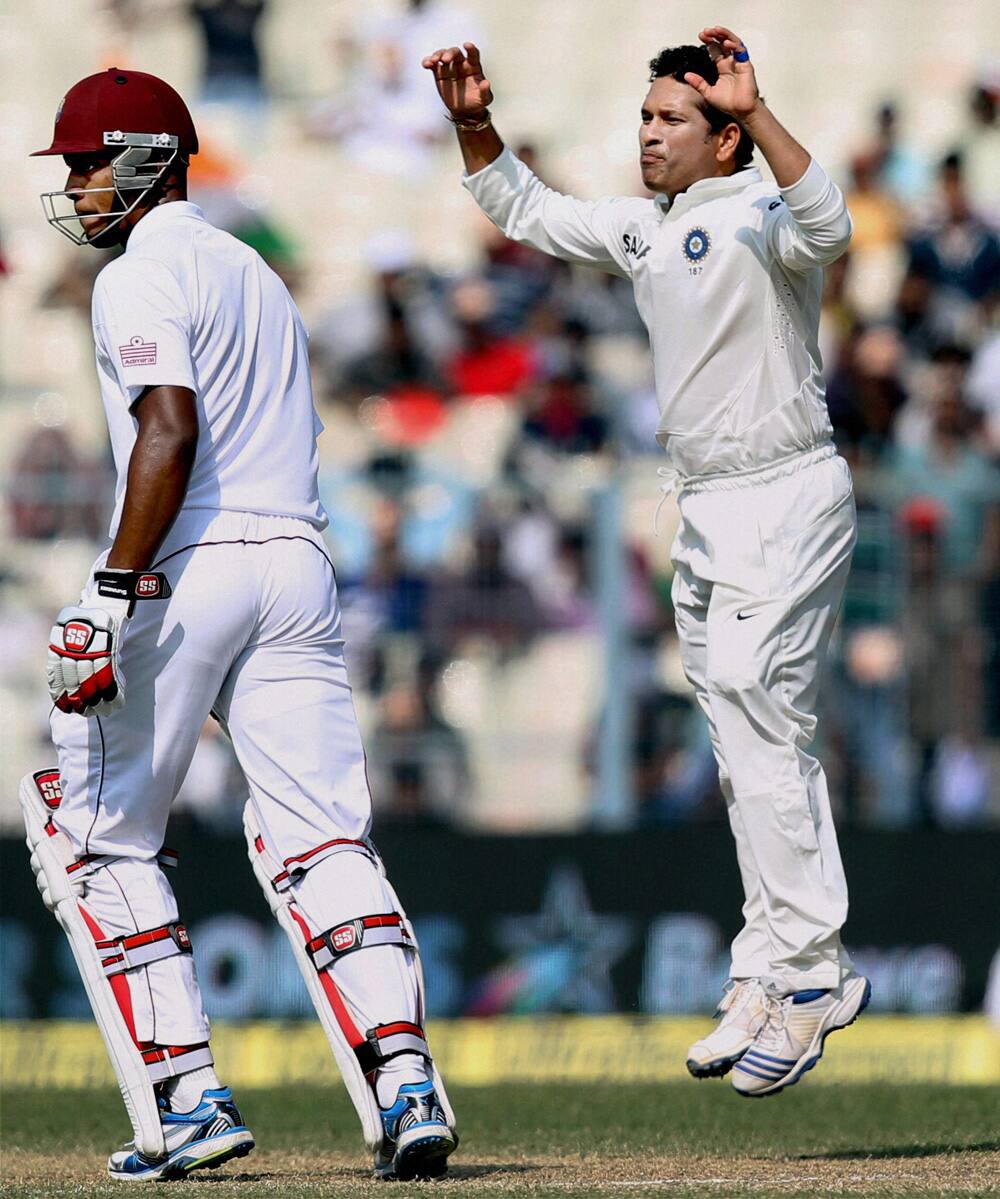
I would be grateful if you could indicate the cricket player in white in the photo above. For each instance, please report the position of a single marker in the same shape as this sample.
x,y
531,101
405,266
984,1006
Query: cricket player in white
x,y
727,272
216,596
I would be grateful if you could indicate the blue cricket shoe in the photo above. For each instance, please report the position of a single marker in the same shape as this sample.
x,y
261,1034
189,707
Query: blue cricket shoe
x,y
203,1138
418,1139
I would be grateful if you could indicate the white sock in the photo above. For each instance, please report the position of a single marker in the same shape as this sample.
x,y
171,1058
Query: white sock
x,y
184,1091
407,1067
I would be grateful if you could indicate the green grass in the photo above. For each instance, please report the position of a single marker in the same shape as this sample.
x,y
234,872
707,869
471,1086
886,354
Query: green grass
x,y
696,1138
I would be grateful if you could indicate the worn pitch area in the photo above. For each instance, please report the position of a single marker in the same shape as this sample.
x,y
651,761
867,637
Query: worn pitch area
x,y
683,1139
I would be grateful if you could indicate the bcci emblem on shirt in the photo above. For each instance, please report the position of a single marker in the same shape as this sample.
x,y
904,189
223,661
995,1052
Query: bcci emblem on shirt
x,y
696,244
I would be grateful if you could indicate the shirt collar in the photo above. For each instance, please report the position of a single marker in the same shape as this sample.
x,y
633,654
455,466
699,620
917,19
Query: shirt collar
x,y
156,217
708,189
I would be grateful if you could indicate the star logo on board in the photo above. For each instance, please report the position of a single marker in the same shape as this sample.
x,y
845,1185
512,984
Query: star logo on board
x,y
560,957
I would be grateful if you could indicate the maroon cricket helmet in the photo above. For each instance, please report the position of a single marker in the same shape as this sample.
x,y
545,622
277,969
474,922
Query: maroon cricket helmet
x,y
119,100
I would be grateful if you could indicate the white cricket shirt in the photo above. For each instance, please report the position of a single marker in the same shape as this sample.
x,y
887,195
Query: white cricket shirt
x,y
728,280
188,305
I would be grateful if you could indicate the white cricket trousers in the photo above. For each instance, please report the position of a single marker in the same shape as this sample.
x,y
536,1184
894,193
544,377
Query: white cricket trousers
x,y
252,632
761,559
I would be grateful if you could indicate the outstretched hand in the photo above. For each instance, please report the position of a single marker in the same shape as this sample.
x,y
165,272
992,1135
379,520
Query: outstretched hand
x,y
460,81
735,91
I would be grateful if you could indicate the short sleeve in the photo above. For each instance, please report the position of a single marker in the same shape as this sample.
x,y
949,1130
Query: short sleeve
x,y
142,326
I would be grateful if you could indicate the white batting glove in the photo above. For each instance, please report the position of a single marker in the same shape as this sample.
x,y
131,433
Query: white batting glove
x,y
83,670
83,661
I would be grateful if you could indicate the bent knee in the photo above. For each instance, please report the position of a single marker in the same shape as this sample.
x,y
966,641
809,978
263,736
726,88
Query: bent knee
x,y
734,682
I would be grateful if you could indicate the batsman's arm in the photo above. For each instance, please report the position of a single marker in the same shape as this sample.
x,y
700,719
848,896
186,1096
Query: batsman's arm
x,y
516,200
158,474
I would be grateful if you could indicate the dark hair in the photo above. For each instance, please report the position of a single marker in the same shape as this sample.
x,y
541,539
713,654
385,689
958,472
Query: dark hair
x,y
676,61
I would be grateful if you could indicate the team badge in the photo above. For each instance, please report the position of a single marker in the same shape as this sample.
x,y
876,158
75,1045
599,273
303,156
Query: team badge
x,y
697,244
59,109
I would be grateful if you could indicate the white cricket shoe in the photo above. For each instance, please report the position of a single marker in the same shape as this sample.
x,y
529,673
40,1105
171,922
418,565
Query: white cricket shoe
x,y
742,1014
791,1040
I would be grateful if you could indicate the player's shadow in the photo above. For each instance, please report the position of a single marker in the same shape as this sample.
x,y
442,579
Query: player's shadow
x,y
472,1171
456,1173
891,1151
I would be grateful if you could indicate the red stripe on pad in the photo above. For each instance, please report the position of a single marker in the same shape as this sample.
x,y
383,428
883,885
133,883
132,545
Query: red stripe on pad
x,y
118,982
343,1016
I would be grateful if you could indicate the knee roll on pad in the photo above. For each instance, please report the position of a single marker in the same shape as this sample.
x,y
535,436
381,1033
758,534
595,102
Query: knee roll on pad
x,y
359,1052
104,961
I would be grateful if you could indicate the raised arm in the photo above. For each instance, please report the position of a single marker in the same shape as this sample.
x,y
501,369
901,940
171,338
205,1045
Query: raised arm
x,y
516,200
815,228
467,95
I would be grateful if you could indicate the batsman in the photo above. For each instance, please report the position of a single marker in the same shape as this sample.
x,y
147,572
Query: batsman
x,y
727,270
215,595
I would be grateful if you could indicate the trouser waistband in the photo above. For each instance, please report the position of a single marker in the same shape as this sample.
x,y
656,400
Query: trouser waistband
x,y
735,480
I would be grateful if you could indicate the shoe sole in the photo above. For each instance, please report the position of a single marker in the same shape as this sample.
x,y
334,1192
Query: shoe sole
x,y
805,1064
717,1068
222,1149
425,1156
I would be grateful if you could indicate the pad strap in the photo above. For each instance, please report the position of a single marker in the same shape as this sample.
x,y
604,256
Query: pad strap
x,y
87,863
167,1061
386,1041
300,863
139,949
362,933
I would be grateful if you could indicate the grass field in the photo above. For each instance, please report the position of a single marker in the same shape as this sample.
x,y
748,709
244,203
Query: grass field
x,y
539,1139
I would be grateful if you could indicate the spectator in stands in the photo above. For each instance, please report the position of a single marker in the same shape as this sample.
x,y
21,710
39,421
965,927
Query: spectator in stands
x,y
561,417
230,35
866,391
419,763
901,167
980,143
53,491
485,600
957,253
486,363
400,287
957,475
944,658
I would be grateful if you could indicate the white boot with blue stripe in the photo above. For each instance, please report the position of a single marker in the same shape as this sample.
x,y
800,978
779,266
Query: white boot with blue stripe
x,y
212,1133
791,1039
418,1139
741,1014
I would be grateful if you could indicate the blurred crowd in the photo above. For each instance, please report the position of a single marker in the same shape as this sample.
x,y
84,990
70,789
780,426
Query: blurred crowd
x,y
474,423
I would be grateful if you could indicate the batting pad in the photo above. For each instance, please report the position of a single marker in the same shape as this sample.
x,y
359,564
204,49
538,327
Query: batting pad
x,y
58,875
300,907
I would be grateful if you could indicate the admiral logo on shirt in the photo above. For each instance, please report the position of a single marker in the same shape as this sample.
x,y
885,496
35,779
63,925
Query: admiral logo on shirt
x,y
138,352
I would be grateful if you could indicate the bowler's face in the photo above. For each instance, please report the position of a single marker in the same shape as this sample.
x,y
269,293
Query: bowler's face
x,y
676,143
